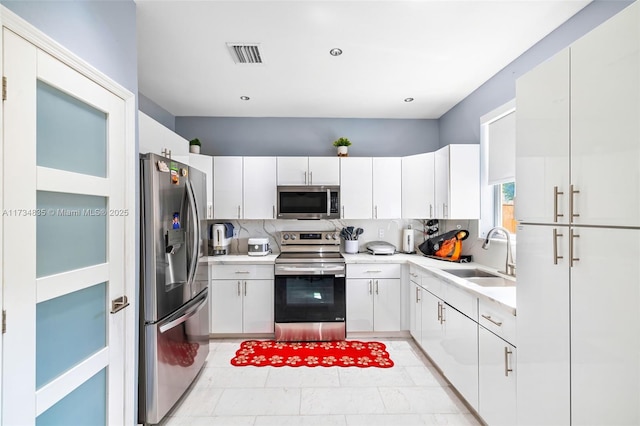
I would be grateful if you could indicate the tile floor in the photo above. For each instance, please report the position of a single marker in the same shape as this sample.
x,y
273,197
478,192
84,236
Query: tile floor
x,y
412,392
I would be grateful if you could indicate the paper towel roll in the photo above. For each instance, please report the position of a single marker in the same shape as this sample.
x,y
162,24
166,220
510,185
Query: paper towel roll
x,y
407,241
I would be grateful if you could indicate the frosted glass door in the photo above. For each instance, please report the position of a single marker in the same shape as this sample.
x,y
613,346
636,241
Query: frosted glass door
x,y
64,245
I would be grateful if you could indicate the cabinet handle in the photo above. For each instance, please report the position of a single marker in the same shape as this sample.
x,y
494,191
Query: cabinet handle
x,y
242,272
373,272
430,210
444,210
305,178
209,211
238,288
238,212
571,205
377,289
571,248
413,275
417,295
488,318
439,313
555,246
507,370
370,286
342,211
273,209
442,315
310,178
375,212
556,215
245,288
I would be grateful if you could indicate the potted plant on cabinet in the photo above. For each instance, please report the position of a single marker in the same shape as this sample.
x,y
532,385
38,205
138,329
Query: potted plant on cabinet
x,y
194,146
342,144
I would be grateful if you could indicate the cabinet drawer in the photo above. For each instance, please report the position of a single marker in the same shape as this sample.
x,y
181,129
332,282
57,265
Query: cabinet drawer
x,y
415,275
243,272
374,270
497,320
434,285
463,301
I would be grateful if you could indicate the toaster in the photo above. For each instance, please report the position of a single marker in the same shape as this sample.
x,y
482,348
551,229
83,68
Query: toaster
x,y
258,247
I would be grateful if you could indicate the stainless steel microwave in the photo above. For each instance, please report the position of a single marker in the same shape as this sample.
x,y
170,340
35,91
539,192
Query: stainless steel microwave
x,y
308,202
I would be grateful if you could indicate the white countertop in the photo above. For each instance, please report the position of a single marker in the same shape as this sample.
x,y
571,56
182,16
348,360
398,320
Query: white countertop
x,y
505,296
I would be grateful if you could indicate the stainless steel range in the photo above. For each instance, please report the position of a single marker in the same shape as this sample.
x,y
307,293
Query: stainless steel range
x,y
310,297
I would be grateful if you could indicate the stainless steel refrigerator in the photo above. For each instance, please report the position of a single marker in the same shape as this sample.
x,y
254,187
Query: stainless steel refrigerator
x,y
174,301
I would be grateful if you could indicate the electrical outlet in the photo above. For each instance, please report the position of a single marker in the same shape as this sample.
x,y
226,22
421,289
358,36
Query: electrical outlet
x,y
381,233
235,234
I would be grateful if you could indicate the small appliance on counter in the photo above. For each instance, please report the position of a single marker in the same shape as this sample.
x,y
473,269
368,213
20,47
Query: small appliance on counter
x,y
380,247
258,246
220,235
408,241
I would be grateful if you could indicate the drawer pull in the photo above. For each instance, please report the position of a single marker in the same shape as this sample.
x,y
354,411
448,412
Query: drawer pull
x,y
373,272
243,272
488,318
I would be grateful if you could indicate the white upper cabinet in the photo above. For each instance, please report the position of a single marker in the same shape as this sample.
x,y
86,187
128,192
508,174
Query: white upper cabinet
x,y
542,142
204,163
308,171
356,187
605,116
590,110
387,188
418,189
156,138
259,182
457,182
324,170
227,187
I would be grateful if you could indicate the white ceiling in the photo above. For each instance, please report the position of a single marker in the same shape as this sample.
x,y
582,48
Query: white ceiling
x,y
436,52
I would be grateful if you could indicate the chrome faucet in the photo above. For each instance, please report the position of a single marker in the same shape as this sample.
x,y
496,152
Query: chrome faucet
x,y
510,266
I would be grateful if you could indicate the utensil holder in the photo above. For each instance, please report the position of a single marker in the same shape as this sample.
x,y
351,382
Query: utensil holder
x,y
351,246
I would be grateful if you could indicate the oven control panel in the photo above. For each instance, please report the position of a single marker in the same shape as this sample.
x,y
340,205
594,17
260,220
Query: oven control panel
x,y
309,238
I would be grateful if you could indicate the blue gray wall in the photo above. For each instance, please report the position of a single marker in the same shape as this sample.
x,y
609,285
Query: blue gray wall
x,y
156,112
309,136
103,33
461,124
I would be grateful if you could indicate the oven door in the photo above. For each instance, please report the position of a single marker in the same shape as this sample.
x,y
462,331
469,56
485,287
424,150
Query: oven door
x,y
309,297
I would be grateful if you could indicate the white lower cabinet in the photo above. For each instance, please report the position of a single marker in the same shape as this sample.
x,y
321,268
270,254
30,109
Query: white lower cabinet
x,y
497,364
373,297
448,337
497,379
243,304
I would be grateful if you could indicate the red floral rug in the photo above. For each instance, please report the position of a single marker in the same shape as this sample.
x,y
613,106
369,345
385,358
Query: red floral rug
x,y
342,353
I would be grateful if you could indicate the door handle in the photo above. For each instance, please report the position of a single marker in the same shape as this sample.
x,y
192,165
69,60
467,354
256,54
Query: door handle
x,y
572,259
245,287
507,370
377,289
370,286
556,215
238,288
555,246
184,317
571,202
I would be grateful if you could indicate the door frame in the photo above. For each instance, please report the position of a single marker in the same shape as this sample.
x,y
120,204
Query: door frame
x,y
45,43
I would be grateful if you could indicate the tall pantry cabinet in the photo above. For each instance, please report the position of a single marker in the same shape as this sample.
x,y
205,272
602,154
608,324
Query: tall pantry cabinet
x,y
578,203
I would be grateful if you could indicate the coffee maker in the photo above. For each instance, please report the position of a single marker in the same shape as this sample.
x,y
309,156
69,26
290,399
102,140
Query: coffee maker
x,y
220,235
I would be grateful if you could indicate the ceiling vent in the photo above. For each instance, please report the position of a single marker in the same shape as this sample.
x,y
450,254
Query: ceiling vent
x,y
245,53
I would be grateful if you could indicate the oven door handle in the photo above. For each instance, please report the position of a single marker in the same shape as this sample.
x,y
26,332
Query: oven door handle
x,y
292,270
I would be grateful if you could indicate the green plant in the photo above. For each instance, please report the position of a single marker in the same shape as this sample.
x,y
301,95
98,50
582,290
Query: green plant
x,y
342,142
195,141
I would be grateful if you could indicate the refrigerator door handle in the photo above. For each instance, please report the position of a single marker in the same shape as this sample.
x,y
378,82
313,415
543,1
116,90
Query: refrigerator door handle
x,y
196,233
185,315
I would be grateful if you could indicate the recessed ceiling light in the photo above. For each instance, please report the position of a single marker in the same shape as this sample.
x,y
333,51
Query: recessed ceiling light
x,y
245,98
335,52
408,99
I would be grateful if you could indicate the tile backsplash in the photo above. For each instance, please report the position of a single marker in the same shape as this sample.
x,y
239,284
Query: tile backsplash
x,y
374,230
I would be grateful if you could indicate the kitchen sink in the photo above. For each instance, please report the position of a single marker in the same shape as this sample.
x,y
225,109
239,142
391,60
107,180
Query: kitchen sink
x,y
470,273
492,281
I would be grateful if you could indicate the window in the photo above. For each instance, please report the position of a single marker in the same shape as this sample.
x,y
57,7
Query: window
x,y
504,206
498,132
